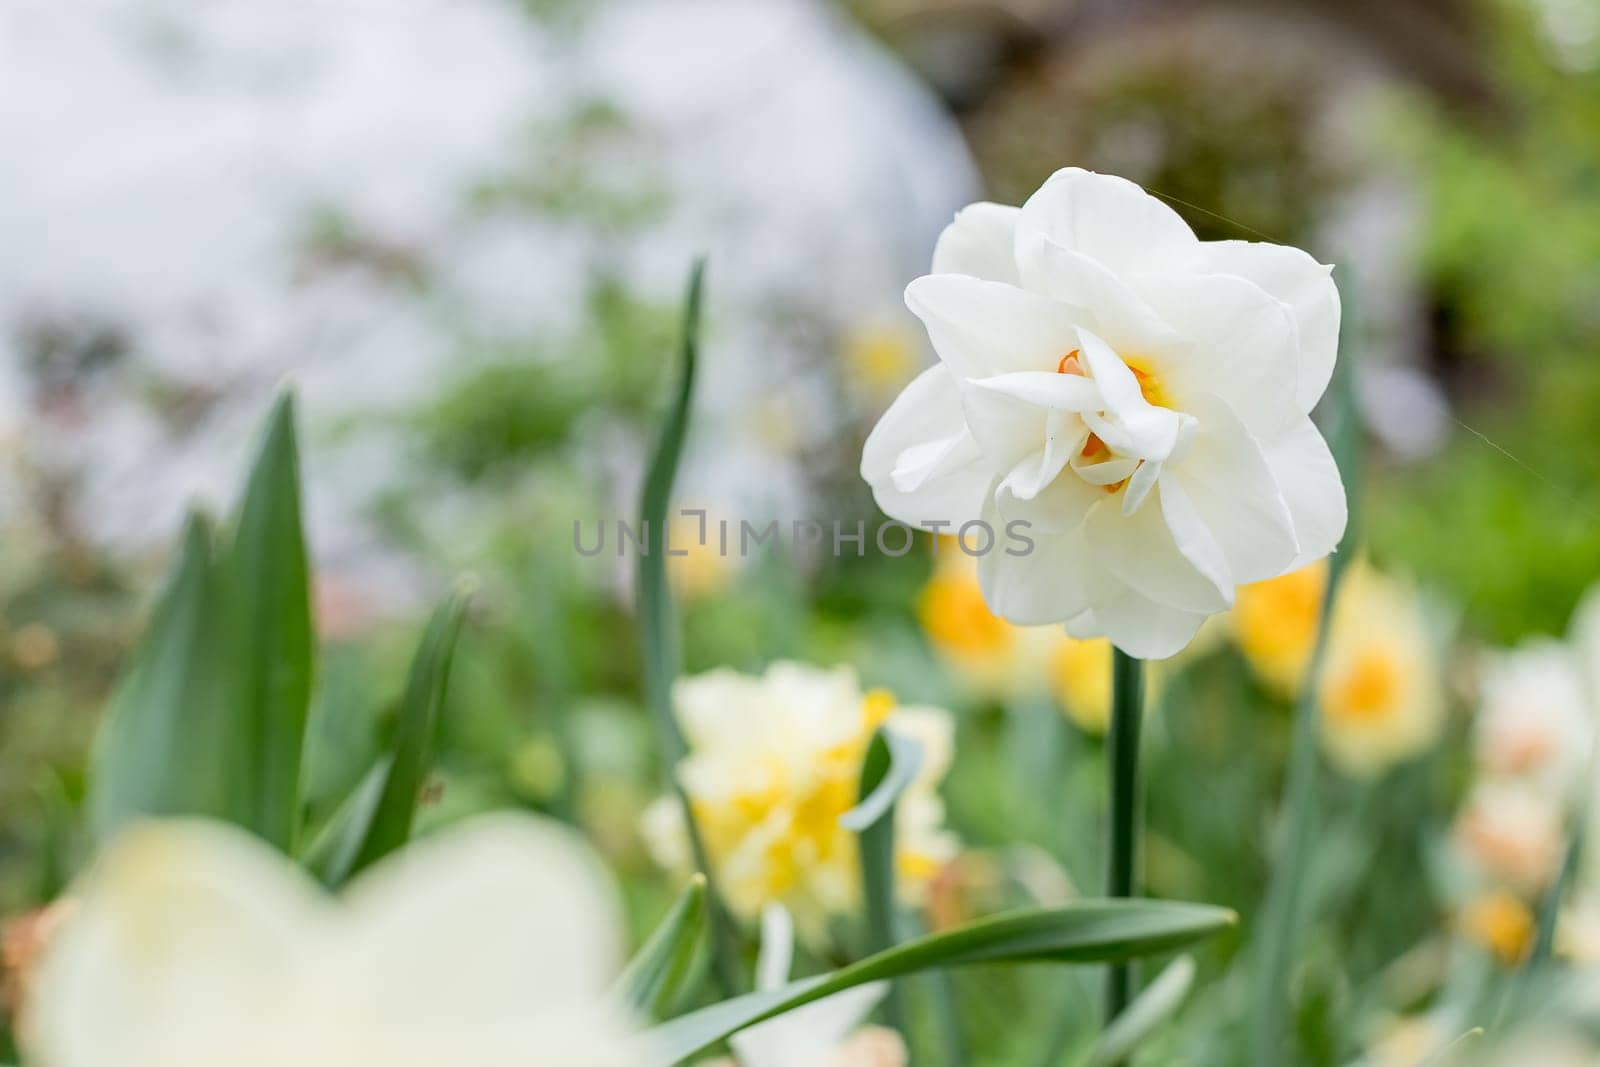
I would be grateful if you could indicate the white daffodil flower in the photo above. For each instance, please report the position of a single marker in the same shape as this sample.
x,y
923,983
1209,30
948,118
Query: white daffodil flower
x,y
825,1034
1137,398
192,945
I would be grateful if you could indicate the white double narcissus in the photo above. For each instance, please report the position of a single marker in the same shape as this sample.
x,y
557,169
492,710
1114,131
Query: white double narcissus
x,y
1132,400
192,944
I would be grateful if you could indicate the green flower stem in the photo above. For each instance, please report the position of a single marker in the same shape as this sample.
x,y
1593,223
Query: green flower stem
x,y
1127,707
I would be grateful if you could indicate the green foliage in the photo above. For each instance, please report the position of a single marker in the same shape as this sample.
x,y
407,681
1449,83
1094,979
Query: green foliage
x,y
658,972
391,818
1092,931
173,743
267,565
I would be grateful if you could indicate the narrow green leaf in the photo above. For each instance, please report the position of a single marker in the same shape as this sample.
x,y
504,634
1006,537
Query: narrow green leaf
x,y
658,635
269,571
172,742
331,856
891,762
655,976
1282,911
1148,1011
657,628
412,753
1091,931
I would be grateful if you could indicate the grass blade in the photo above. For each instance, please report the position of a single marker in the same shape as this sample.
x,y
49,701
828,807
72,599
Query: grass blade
x,y
270,573
392,817
658,634
331,856
1281,916
1158,1002
1095,931
654,978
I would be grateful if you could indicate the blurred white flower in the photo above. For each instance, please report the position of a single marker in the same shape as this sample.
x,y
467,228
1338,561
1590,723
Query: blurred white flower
x,y
1511,834
824,1034
773,762
1138,397
193,944
1536,723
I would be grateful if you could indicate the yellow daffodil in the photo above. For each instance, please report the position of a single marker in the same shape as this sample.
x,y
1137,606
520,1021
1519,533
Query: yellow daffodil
x,y
1380,693
1081,670
1275,623
773,763
992,659
1500,922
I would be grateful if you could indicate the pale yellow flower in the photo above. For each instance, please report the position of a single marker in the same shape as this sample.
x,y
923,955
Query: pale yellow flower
x,y
773,763
880,356
698,565
1410,1041
193,944
1382,701
1275,625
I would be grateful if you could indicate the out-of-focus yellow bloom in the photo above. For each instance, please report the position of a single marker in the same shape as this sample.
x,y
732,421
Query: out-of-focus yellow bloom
x,y
696,564
880,357
1381,698
1275,625
773,762
994,659
1511,834
1081,671
1500,922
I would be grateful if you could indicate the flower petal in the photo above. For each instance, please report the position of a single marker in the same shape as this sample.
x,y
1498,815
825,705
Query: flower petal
x,y
1135,427
1142,551
1044,583
1311,486
1245,346
1236,494
920,460
1017,416
1302,283
1106,218
189,940
981,242
1099,300
1133,622
500,919
980,329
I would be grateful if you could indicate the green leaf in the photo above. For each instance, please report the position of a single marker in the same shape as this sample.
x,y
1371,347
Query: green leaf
x,y
1091,931
331,856
655,976
892,761
389,826
269,571
1148,1011
657,629
173,742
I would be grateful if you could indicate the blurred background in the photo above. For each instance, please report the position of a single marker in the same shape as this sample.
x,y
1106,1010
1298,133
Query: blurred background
x,y
461,228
